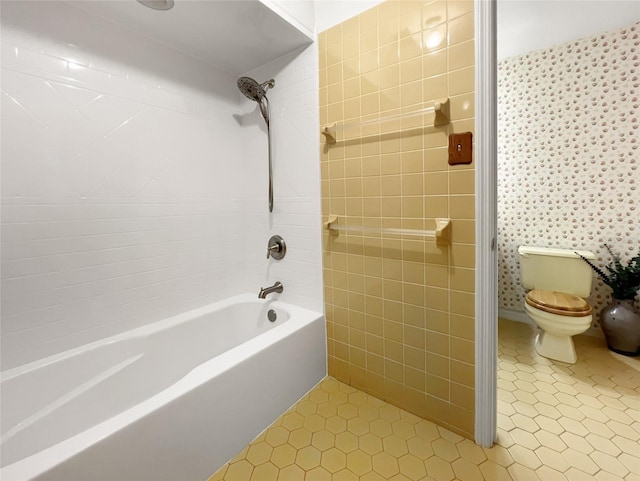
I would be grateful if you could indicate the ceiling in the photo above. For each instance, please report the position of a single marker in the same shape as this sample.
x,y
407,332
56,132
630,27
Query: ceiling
x,y
527,25
236,36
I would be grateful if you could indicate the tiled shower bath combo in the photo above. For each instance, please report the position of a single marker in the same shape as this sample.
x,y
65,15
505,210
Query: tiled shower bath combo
x,y
239,246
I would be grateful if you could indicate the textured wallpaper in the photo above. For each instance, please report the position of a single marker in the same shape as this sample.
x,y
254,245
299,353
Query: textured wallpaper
x,y
568,153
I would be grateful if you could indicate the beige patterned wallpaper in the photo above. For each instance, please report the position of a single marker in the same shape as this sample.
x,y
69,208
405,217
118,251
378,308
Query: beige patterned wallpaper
x,y
568,153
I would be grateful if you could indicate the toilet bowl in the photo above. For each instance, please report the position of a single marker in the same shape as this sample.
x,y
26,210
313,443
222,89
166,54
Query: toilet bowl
x,y
557,281
559,316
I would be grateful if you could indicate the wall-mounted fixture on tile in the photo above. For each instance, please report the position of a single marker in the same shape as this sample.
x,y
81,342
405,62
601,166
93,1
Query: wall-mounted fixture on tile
x,y
440,110
460,148
440,233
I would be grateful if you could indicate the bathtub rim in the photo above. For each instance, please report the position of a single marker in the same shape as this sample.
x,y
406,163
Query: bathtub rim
x,y
42,461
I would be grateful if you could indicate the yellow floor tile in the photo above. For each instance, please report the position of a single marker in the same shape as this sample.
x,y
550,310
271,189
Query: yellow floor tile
x,y
556,422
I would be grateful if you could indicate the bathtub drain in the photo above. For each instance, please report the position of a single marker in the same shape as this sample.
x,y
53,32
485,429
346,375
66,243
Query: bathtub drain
x,y
271,315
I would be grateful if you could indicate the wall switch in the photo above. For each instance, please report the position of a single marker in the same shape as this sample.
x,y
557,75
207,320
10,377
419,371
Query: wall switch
x,y
460,148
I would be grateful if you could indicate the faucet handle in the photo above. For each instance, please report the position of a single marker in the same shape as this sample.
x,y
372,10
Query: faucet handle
x,y
273,249
276,247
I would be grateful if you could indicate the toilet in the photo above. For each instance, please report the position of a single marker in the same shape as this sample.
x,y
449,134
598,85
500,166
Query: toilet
x,y
558,281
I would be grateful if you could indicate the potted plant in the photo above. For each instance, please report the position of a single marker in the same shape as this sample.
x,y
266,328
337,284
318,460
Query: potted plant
x,y
619,320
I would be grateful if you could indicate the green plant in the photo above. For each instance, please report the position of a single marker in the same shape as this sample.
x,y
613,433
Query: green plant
x,y
624,280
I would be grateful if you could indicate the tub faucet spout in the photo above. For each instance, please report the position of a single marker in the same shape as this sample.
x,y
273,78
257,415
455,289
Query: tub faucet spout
x,y
277,287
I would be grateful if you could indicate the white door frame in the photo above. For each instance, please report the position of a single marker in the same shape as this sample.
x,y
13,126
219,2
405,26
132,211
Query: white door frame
x,y
486,309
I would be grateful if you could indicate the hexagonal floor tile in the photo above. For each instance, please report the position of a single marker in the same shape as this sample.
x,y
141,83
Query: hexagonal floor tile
x,y
579,423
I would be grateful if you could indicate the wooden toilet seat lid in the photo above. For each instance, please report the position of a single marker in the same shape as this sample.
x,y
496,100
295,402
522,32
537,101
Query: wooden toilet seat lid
x,y
558,303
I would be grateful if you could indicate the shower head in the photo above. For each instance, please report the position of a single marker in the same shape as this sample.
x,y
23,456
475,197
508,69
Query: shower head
x,y
252,89
258,93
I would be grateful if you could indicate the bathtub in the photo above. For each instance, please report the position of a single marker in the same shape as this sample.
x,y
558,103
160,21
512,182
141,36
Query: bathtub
x,y
173,400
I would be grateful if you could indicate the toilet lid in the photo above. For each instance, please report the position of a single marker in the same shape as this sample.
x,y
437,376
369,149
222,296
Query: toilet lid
x,y
558,303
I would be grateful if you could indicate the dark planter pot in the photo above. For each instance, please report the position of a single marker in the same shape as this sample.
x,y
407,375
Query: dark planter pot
x,y
621,326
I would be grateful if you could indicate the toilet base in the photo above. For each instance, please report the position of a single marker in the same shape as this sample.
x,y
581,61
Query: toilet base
x,y
559,348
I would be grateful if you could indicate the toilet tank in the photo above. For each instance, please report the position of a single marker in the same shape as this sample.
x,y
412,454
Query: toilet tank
x,y
558,270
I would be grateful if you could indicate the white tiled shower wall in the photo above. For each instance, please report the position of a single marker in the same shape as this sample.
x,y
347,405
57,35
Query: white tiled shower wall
x,y
134,181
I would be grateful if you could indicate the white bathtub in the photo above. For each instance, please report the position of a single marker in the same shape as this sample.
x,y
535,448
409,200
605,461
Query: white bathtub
x,y
172,401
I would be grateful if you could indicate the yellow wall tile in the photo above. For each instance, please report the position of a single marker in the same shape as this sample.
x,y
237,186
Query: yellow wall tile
x,y
438,344
462,279
462,326
463,231
393,350
436,159
437,364
351,46
389,77
414,315
415,357
459,7
435,138
334,73
414,294
461,29
434,38
411,94
435,88
462,396
387,32
437,275
462,350
391,207
437,321
370,103
434,14
390,99
463,255
462,373
461,81
434,63
410,47
375,363
411,70
368,39
353,188
462,182
334,35
462,106
390,164
388,55
415,378
436,183
462,206
412,208
462,421
351,88
462,303
388,11
400,310
437,298
350,67
368,19
411,162
438,387
409,24
462,55
372,206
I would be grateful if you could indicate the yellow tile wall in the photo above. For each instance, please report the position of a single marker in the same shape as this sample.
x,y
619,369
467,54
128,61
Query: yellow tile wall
x,y
400,310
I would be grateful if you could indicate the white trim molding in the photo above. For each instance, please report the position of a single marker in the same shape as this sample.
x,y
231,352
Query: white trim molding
x,y
486,310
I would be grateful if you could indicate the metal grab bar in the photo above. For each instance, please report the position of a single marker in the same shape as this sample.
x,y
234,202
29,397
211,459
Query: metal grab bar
x,y
440,233
440,108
